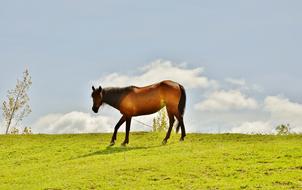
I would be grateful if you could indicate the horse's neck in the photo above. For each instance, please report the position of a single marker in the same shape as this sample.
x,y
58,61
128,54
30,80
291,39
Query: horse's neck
x,y
110,97
113,96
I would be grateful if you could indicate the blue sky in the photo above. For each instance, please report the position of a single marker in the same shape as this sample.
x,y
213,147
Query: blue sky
x,y
68,44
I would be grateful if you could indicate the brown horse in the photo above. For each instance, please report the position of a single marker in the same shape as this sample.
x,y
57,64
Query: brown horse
x,y
135,101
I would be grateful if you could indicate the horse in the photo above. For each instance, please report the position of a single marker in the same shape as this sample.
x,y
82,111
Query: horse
x,y
134,101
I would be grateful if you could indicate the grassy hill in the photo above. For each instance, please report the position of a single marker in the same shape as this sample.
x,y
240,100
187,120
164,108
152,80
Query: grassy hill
x,y
201,162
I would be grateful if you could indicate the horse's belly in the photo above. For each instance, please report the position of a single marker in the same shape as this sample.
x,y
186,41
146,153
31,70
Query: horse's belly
x,y
146,111
140,107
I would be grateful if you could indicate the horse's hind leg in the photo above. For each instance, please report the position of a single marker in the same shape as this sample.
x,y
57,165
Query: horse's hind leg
x,y
128,124
171,122
183,130
182,125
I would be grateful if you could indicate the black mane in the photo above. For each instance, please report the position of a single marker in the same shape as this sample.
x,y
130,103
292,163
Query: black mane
x,y
114,95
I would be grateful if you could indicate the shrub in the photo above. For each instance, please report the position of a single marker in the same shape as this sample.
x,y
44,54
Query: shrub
x,y
283,129
160,122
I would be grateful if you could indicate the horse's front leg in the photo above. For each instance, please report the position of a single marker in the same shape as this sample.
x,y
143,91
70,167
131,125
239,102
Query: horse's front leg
x,y
128,124
121,121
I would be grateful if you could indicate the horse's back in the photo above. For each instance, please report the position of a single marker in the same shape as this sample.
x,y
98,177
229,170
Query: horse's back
x,y
170,83
162,91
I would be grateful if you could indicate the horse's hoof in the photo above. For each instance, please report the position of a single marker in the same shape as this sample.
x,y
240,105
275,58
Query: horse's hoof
x,y
164,142
112,144
182,139
124,144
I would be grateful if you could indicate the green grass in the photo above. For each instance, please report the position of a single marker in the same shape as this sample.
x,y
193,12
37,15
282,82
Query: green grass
x,y
201,162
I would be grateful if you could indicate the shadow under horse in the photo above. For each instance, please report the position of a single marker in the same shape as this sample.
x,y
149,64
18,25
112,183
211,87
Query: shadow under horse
x,y
134,101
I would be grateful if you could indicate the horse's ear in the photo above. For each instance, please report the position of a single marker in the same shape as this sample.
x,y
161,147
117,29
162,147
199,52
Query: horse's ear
x,y
93,88
100,88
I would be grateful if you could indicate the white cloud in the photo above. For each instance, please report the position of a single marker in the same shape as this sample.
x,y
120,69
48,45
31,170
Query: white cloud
x,y
281,111
80,122
157,71
73,122
243,85
256,127
225,101
283,107
240,82
284,111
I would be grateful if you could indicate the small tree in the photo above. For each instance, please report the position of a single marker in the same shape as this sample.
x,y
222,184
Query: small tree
x,y
164,122
17,105
155,124
283,129
160,122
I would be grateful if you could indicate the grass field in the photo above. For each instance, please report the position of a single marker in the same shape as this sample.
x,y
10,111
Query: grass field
x,y
227,161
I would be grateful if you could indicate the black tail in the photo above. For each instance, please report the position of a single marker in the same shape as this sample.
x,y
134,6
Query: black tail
x,y
181,104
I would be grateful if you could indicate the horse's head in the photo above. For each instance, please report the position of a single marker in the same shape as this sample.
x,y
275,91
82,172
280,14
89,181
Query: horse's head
x,y
97,98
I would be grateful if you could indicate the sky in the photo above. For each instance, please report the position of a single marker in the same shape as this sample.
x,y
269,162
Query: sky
x,y
239,61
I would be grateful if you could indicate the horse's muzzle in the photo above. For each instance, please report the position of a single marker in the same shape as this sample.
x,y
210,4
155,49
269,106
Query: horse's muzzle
x,y
95,109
